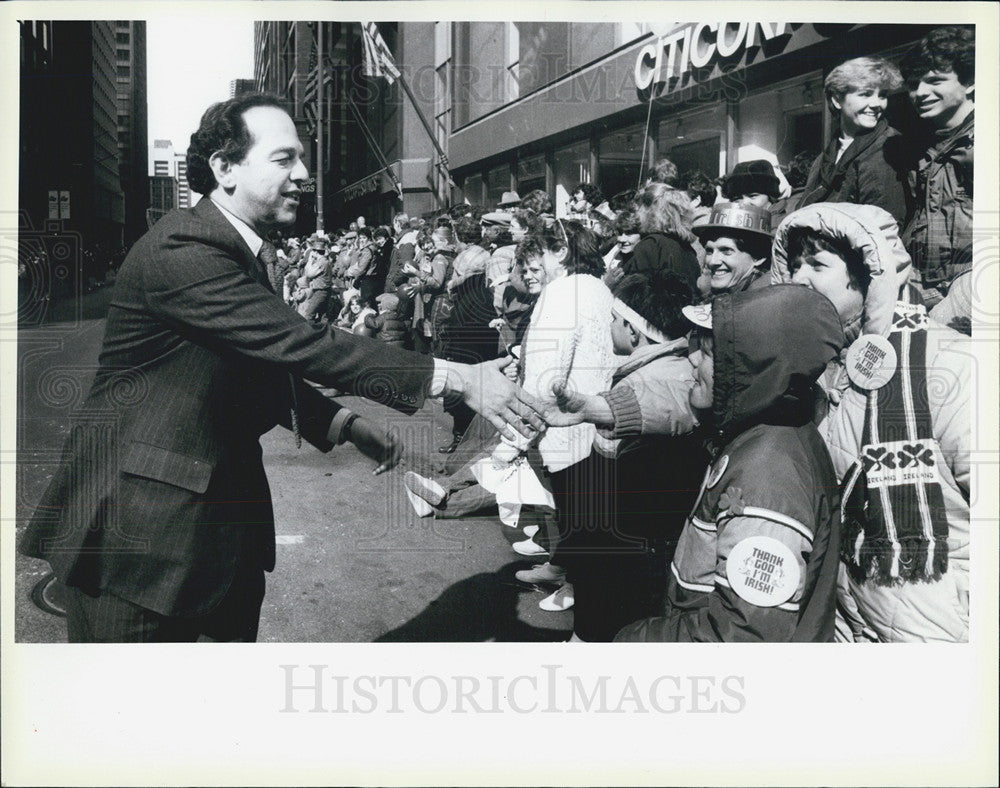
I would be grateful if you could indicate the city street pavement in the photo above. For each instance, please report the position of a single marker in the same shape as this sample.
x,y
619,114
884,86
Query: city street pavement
x,y
354,562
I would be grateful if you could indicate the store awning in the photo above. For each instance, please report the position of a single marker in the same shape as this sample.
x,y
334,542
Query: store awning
x,y
410,174
383,180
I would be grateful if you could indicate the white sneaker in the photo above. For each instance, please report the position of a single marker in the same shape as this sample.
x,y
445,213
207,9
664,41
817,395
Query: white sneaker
x,y
423,493
530,530
425,488
420,506
529,547
562,599
542,573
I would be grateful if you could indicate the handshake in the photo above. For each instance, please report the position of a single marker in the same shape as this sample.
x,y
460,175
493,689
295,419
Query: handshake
x,y
487,389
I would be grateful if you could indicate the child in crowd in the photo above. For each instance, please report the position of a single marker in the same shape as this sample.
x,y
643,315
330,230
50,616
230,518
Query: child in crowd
x,y
658,456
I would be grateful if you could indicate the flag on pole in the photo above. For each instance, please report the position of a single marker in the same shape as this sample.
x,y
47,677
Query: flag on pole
x,y
378,58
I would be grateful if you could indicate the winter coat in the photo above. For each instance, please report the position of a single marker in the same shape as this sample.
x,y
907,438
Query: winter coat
x,y
913,611
662,252
388,327
499,265
317,272
758,557
938,235
437,303
658,450
362,262
380,265
403,252
650,395
869,173
466,336
516,313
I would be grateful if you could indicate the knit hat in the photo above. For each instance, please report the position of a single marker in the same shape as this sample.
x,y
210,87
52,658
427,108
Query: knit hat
x,y
387,302
749,177
729,217
318,241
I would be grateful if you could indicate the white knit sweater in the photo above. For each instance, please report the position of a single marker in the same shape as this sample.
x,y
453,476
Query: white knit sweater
x,y
569,338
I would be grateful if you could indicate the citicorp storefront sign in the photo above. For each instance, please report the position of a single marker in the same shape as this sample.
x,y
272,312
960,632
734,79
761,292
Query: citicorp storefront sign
x,y
697,46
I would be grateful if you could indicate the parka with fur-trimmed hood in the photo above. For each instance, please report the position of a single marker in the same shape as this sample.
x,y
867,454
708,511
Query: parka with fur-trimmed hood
x,y
906,571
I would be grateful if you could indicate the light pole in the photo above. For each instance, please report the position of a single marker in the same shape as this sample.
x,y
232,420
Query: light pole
x,y
320,89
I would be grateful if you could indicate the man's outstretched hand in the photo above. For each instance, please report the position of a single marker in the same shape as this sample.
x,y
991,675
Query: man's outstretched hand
x,y
374,442
487,390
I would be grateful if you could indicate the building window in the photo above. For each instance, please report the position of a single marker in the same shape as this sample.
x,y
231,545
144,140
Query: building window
x,y
473,188
543,54
803,116
530,173
497,182
619,158
571,167
548,50
121,38
124,71
695,141
479,75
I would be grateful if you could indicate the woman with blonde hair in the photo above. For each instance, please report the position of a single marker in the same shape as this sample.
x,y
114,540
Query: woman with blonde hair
x,y
664,216
861,163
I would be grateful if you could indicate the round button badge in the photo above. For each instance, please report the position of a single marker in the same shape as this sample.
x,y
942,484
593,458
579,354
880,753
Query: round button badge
x,y
871,361
763,571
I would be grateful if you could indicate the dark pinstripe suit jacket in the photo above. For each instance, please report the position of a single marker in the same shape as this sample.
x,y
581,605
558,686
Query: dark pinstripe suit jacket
x,y
161,485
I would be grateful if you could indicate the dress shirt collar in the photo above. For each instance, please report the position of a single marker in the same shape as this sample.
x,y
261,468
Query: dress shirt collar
x,y
248,234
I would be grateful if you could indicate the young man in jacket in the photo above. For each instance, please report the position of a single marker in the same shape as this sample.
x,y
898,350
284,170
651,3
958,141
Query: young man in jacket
x,y
940,79
895,414
757,559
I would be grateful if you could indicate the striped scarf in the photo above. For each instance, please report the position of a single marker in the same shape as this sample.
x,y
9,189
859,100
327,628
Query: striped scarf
x,y
895,525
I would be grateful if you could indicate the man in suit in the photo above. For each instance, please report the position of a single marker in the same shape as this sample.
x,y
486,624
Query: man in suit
x,y
159,520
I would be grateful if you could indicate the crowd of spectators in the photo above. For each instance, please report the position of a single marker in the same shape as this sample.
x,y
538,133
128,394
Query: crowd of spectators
x,y
759,417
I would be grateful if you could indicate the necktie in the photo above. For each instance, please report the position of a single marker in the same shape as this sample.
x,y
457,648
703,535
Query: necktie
x,y
267,257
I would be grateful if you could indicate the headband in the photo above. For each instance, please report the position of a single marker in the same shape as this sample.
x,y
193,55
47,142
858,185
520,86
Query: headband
x,y
638,322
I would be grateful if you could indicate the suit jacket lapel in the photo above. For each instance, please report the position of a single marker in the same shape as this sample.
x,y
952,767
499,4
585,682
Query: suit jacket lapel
x,y
209,211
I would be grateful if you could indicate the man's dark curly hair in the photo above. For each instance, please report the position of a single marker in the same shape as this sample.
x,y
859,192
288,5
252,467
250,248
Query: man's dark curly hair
x,y
468,230
223,129
584,246
537,200
797,171
659,297
697,184
591,193
943,49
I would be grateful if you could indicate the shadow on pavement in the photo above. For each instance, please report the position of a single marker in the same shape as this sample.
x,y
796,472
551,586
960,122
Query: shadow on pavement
x,y
480,608
92,305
